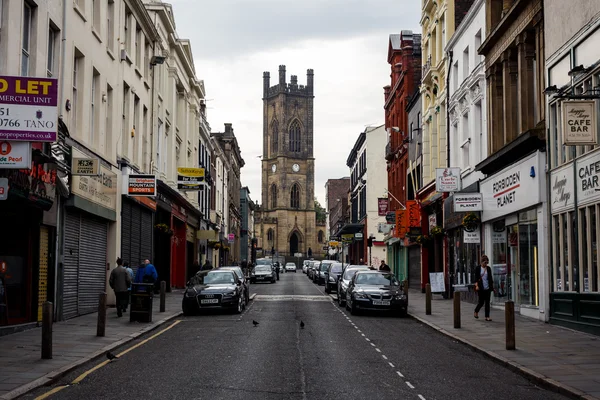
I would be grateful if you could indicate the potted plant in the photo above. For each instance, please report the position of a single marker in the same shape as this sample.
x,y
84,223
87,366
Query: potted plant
x,y
422,239
437,231
164,229
470,222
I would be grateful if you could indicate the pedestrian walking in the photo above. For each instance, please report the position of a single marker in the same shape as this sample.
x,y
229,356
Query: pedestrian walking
x,y
119,281
384,266
484,284
146,273
207,265
132,276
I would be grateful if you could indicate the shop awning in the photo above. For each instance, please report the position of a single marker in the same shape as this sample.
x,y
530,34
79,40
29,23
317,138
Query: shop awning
x,y
351,228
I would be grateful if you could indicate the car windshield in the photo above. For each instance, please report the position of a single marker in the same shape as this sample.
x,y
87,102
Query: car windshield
x,y
263,262
350,272
290,264
376,279
336,268
237,270
262,268
219,277
324,266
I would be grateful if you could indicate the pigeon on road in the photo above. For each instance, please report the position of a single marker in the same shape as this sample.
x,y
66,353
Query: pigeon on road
x,y
110,355
301,324
255,323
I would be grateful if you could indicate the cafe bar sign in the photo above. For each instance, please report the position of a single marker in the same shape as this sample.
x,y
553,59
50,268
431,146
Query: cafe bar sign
x,y
579,122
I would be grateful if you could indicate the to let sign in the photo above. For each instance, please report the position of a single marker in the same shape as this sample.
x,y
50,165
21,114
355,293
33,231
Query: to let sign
x,y
579,122
28,109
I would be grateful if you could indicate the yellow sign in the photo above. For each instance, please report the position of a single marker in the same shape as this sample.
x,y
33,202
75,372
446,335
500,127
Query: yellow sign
x,y
334,244
190,178
193,172
347,237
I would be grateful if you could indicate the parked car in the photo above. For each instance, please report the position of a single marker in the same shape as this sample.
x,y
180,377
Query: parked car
x,y
245,281
319,276
331,276
311,269
214,289
290,267
305,265
376,290
263,273
342,284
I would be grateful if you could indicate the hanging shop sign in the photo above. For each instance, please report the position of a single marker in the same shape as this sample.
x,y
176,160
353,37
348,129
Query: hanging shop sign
x,y
347,237
28,109
382,206
447,180
390,217
588,179
472,237
465,202
579,122
85,166
231,238
514,188
190,178
334,244
15,154
358,236
562,188
141,185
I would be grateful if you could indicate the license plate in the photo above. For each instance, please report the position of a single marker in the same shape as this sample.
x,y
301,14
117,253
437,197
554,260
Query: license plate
x,y
381,302
260,278
209,301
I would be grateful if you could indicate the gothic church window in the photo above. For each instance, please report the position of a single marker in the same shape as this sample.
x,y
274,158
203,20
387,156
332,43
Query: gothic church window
x,y
320,236
273,196
270,235
295,197
274,137
295,136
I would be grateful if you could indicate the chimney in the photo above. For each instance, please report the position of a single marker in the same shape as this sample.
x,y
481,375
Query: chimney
x,y
266,83
228,129
282,75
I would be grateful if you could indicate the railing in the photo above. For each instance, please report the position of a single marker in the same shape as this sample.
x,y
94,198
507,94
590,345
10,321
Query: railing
x,y
426,67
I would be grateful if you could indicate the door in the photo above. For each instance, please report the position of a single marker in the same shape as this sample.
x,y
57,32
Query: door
x,y
293,244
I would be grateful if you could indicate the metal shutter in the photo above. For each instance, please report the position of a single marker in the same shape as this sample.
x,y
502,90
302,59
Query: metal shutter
x,y
414,267
126,230
92,263
71,265
136,227
147,229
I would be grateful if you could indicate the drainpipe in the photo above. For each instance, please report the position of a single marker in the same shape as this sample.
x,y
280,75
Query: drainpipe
x,y
445,255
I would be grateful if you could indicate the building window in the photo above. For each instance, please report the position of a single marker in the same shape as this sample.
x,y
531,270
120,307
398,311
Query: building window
x,y
26,44
466,69
93,107
127,32
412,131
110,26
270,235
96,15
274,137
52,49
295,136
273,196
295,197
75,100
320,236
109,113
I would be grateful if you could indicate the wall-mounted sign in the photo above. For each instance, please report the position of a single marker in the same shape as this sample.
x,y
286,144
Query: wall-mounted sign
x,y
15,154
498,237
472,237
382,206
432,221
3,188
28,109
358,236
588,179
231,238
561,189
347,237
447,180
190,178
85,166
100,188
334,243
514,188
141,185
465,202
579,122
37,184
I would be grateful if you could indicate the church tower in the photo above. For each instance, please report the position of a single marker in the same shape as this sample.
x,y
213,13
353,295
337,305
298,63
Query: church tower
x,y
288,172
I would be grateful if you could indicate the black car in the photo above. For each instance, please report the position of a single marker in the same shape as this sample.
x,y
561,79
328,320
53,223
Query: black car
x,y
245,280
319,274
331,276
263,273
311,269
376,290
345,279
214,289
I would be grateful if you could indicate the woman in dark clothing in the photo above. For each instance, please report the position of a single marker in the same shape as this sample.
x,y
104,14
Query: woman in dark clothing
x,y
484,285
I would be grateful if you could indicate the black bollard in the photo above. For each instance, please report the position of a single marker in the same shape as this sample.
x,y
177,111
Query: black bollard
x,y
47,316
101,327
163,289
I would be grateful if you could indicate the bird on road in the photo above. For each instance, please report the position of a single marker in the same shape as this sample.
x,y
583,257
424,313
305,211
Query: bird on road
x,y
255,323
110,355
301,324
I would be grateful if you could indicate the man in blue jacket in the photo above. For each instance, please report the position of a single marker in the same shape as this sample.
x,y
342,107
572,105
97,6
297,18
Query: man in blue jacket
x,y
146,273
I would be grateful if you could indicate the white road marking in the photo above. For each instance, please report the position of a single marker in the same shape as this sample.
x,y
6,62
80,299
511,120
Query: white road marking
x,y
421,397
391,365
400,374
409,385
367,339
376,349
373,344
384,356
362,334
359,331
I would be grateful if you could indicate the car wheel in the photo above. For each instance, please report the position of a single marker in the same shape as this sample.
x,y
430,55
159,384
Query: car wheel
x,y
327,290
187,309
341,302
402,313
240,305
353,309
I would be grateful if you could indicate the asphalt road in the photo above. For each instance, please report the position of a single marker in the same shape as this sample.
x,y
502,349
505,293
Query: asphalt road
x,y
336,356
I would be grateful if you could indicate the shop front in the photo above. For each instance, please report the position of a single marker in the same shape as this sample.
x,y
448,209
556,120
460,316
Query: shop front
x,y
137,229
513,217
90,212
27,250
431,239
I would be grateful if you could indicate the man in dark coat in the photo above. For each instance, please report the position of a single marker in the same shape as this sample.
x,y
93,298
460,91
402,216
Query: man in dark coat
x,y
119,281
207,266
384,266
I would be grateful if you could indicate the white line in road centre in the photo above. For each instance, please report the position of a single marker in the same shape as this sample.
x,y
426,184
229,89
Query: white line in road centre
x,y
377,350
400,374
409,385
373,344
362,334
421,397
391,365
384,356
367,339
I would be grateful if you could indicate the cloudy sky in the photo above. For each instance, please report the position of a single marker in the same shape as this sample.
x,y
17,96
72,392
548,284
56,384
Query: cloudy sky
x,y
344,41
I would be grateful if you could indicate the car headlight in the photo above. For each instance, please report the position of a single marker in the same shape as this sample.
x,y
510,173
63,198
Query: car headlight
x,y
331,279
252,274
229,294
360,295
191,292
400,297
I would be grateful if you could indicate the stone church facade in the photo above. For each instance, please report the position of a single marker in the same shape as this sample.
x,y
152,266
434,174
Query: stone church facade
x,y
287,216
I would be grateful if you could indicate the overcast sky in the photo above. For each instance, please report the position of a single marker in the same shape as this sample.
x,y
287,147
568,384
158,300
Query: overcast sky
x,y
344,41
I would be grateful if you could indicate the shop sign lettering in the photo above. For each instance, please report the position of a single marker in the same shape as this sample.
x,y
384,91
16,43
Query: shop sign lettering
x,y
579,122
562,187
588,178
100,188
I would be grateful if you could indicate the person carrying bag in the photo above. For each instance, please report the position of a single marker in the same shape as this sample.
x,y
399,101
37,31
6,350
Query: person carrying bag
x,y
484,285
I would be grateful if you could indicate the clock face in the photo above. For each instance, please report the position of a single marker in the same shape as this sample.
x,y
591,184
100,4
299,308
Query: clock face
x,y
274,167
295,168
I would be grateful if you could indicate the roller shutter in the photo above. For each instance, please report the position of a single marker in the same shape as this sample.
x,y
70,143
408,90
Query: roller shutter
x,y
136,233
414,267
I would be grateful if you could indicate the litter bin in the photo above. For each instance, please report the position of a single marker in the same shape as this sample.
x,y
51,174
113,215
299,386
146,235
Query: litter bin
x,y
141,302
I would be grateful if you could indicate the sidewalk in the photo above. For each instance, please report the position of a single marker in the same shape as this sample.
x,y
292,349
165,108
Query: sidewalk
x,y
567,360
74,343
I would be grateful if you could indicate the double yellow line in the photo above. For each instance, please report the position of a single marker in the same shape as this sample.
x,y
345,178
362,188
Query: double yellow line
x,y
102,364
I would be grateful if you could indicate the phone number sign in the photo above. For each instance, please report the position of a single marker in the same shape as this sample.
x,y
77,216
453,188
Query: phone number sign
x,y
28,109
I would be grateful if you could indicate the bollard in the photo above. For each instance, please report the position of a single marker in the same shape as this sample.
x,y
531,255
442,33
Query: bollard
x,y
456,310
101,328
509,315
47,316
428,299
163,289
